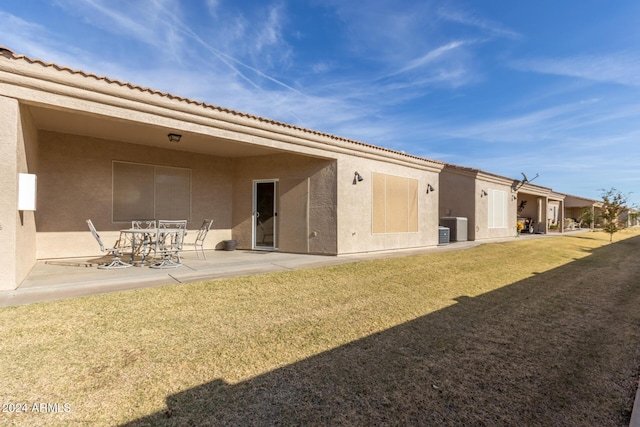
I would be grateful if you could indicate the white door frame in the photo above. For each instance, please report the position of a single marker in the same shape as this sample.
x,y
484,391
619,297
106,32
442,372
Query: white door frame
x,y
254,215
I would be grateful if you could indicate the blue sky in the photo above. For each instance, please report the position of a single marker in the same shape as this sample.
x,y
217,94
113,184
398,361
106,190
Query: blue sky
x,y
546,87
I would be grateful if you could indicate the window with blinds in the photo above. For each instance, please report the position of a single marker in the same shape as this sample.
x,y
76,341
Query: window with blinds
x,y
395,204
150,192
498,209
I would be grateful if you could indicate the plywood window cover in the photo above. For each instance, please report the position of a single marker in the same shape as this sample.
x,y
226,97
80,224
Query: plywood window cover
x,y
394,206
156,208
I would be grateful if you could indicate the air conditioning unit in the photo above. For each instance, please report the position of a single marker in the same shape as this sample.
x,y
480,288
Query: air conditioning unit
x,y
457,226
443,236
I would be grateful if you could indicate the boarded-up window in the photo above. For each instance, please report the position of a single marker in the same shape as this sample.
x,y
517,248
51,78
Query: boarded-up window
x,y
150,192
498,209
394,204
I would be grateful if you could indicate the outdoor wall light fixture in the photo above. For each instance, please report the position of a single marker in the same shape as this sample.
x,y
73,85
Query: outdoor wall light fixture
x,y
430,188
357,178
514,197
174,137
483,193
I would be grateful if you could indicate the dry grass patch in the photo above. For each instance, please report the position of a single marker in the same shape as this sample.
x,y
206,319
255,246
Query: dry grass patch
x,y
535,331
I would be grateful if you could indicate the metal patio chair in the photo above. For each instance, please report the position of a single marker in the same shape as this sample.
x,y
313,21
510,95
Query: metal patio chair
x,y
169,241
200,236
147,244
115,251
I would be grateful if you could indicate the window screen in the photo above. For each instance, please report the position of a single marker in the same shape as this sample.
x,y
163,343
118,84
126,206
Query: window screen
x,y
498,209
148,192
173,193
394,204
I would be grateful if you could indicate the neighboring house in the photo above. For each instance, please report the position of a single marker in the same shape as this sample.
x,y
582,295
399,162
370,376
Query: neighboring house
x,y
629,217
486,200
634,217
493,204
112,152
555,220
575,206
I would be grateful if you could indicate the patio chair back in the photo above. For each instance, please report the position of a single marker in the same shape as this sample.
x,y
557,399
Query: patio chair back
x,y
95,234
169,240
176,238
143,224
200,236
203,231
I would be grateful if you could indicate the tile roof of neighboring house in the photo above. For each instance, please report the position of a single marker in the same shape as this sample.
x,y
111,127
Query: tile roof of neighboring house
x,y
10,54
477,171
502,177
582,198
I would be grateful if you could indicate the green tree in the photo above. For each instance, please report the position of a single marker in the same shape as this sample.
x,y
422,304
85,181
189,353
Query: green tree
x,y
586,217
613,204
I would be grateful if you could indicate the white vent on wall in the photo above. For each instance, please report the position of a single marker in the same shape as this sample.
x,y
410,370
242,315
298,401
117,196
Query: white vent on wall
x,y
27,185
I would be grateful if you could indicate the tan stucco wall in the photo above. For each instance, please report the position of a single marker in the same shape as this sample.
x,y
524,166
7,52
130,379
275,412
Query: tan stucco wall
x,y
457,198
75,184
75,181
320,235
463,195
18,142
9,194
354,205
482,230
27,163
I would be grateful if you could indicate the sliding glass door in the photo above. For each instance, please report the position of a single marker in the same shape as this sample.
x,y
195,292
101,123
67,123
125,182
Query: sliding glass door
x,y
264,214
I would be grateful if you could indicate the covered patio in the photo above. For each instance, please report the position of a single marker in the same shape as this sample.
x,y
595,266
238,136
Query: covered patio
x,y
539,209
582,211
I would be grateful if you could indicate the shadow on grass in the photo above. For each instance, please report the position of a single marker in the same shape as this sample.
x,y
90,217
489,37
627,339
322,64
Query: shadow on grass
x,y
559,348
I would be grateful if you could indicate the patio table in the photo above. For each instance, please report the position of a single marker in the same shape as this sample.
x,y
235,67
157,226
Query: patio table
x,y
144,238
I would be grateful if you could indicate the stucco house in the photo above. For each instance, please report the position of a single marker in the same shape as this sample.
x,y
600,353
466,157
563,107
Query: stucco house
x,y
486,200
493,204
630,217
574,206
95,148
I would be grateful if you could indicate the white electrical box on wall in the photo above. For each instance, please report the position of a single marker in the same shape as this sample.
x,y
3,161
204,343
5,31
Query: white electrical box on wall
x,y
27,185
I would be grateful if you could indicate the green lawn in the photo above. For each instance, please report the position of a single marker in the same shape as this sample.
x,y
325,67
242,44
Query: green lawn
x,y
534,331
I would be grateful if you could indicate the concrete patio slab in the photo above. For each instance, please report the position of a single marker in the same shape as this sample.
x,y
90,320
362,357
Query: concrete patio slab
x,y
69,278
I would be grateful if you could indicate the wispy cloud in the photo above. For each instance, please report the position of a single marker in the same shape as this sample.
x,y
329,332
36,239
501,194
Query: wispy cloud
x,y
487,26
429,57
522,129
212,6
270,32
620,68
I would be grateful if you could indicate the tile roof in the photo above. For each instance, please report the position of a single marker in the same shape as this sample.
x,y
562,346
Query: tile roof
x,y
478,171
10,54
